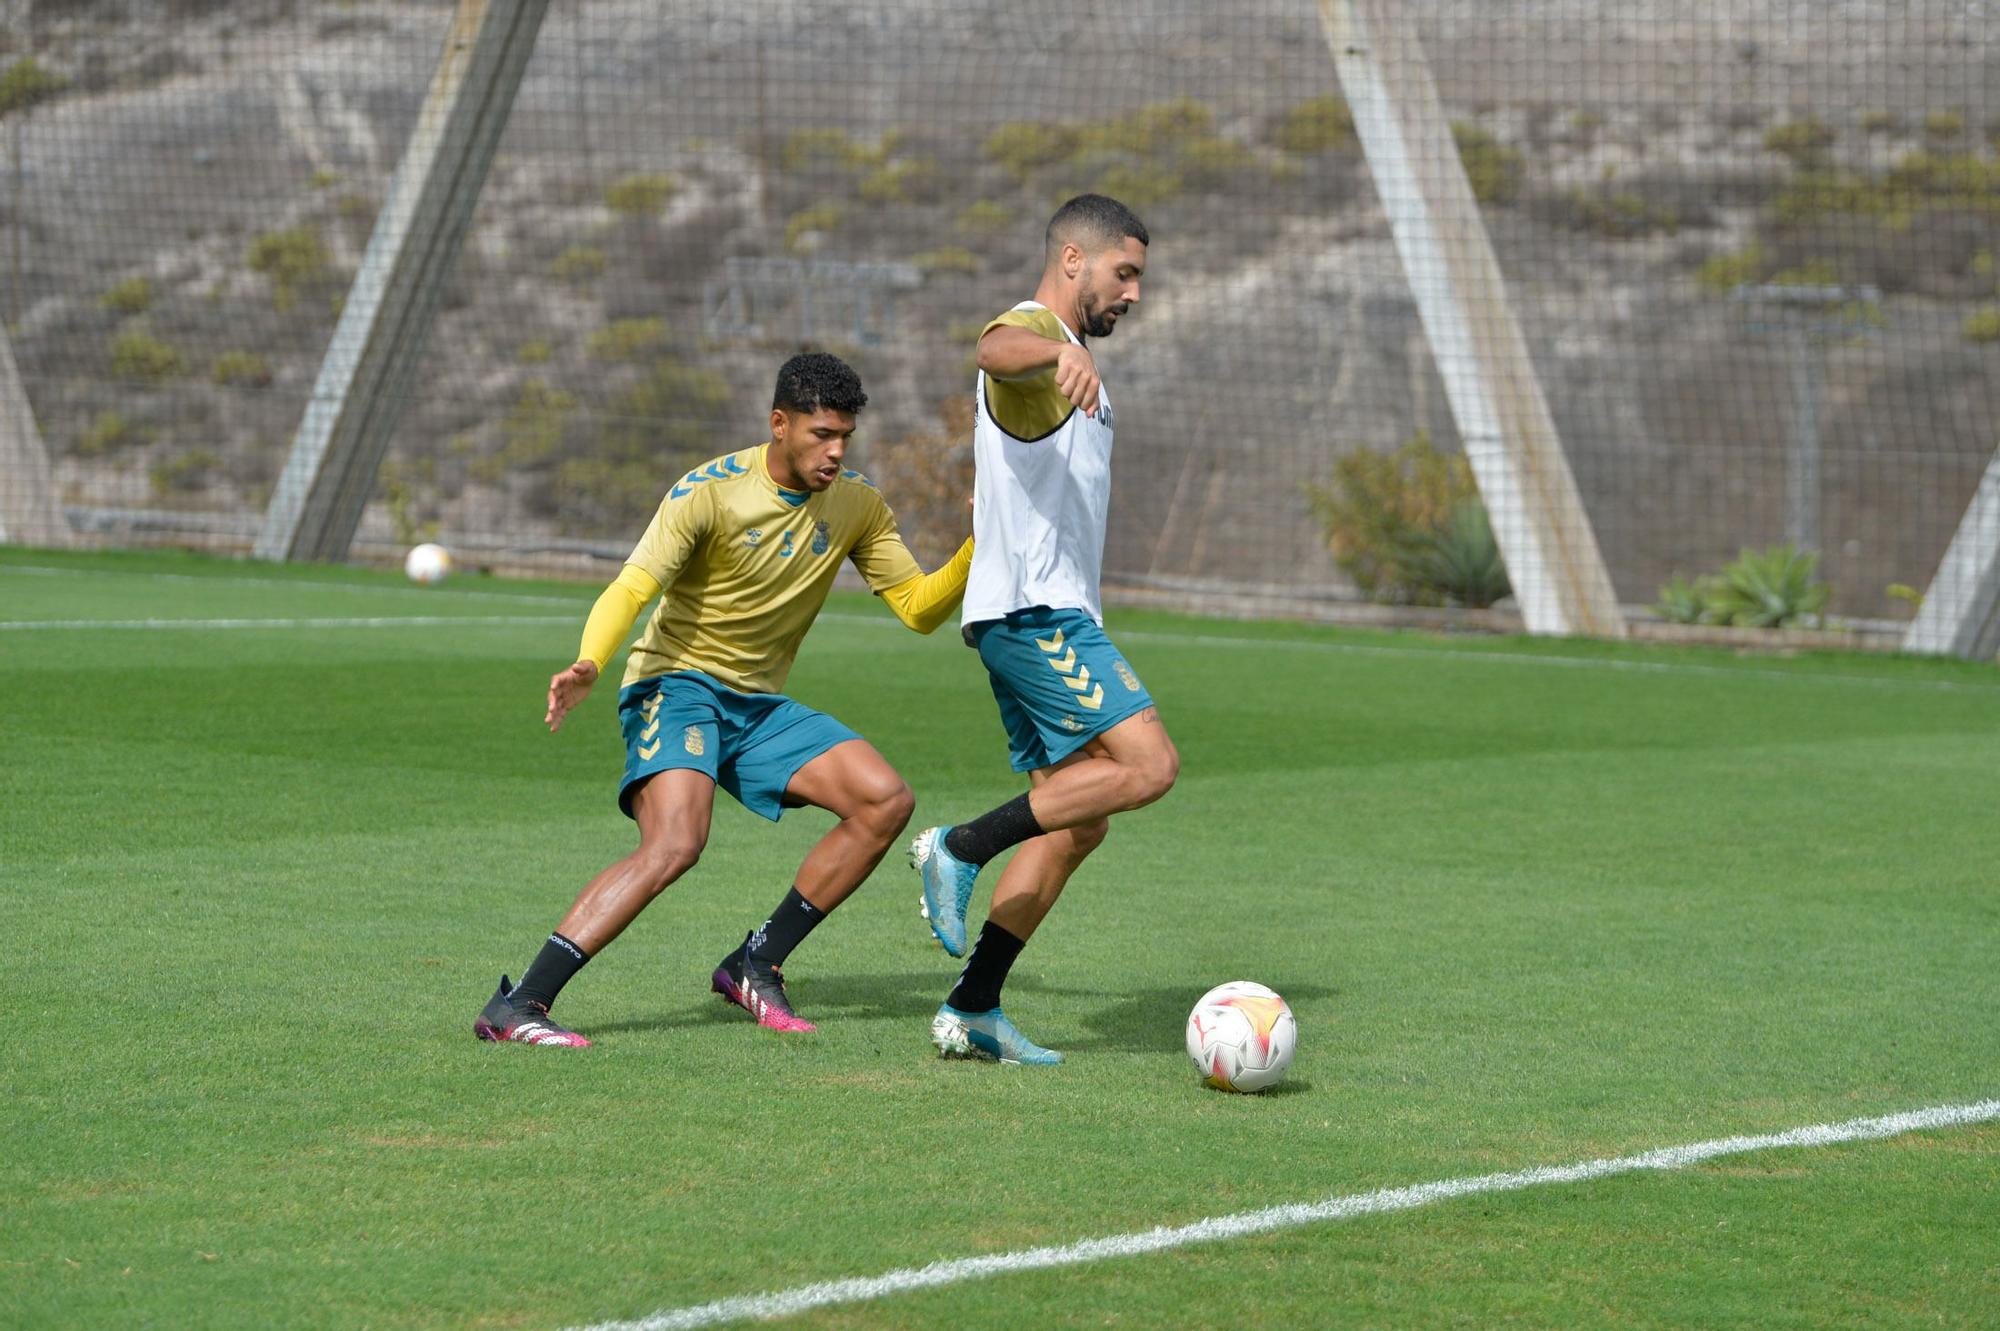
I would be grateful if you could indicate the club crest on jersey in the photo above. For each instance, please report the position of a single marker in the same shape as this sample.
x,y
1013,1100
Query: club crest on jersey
x,y
692,741
1125,675
821,542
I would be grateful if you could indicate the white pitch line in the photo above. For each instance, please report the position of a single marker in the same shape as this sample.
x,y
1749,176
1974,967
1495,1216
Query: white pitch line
x,y
283,584
1478,656
804,1298
373,622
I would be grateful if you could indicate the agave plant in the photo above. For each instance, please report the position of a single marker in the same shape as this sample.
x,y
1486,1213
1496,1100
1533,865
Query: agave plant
x,y
1460,559
1684,600
1768,589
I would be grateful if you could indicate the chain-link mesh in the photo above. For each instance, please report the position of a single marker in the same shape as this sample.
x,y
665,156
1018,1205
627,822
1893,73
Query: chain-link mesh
x,y
1752,246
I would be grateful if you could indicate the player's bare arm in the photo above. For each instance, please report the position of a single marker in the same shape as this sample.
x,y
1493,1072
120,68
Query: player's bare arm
x,y
1019,353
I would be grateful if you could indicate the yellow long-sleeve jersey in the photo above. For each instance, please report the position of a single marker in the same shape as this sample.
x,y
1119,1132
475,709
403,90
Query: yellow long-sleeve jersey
x,y
746,566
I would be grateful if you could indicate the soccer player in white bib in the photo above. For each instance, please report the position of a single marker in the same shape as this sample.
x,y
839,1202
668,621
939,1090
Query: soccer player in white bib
x,y
1079,723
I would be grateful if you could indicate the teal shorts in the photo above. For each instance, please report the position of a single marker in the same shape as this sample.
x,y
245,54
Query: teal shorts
x,y
750,744
1058,680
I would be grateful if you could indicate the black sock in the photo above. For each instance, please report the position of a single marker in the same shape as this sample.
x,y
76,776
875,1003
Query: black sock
x,y
994,831
788,926
978,987
551,969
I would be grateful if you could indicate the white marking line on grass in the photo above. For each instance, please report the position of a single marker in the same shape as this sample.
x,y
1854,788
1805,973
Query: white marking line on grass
x,y
786,1303
1480,657
373,622
244,580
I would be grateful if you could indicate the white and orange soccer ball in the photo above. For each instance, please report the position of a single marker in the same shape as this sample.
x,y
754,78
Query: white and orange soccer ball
x,y
1241,1037
427,563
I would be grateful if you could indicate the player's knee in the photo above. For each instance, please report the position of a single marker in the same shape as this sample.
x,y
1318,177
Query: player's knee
x,y
1153,775
662,861
1088,837
888,813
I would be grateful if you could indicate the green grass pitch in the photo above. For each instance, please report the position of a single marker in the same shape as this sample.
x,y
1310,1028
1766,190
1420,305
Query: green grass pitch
x,y
1532,903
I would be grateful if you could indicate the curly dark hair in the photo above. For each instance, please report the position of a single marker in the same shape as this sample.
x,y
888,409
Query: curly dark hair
x,y
815,379
1094,222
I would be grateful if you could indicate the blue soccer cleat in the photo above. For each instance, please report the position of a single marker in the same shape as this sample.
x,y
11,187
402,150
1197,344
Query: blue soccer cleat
x,y
947,887
985,1035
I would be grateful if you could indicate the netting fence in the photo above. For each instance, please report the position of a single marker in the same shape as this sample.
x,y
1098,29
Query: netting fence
x,y
1754,246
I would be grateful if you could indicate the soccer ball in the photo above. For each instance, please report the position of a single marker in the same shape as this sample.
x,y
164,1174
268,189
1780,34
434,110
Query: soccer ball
x,y
427,563
1241,1037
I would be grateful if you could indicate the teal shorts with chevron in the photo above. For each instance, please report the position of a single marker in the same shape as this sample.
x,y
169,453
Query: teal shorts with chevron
x,y
1058,680
750,744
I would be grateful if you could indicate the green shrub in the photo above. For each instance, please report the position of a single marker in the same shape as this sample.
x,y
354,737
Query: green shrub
x,y
984,218
819,217
1803,141
399,494
1492,168
1138,186
357,207
948,259
189,471
1875,120
535,351
1944,125
109,431
911,180
137,354
1684,600
324,179
241,367
1210,163
1811,273
1399,525
1620,215
1983,325
579,264
292,258
1461,560
809,148
533,429
1024,146
641,194
629,340
26,83
1155,130
1321,125
1723,273
1768,589
132,296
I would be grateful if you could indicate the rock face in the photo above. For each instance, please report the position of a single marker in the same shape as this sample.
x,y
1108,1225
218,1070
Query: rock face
x,y
182,214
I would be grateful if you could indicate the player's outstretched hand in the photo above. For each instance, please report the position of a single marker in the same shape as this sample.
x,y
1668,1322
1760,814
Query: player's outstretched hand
x,y
568,688
1076,377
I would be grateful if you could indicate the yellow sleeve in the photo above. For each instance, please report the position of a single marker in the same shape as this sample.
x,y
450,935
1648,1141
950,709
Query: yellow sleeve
x,y
1031,408
880,555
927,600
617,609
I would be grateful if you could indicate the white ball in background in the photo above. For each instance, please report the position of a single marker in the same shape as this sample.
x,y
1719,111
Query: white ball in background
x,y
427,563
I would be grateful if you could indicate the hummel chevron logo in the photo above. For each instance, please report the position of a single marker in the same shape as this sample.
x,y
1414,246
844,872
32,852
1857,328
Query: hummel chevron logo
x,y
651,730
1093,699
1051,645
719,470
647,751
1081,682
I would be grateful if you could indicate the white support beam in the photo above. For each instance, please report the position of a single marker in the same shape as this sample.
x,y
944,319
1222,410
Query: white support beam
x,y
1960,615
29,513
380,339
1510,438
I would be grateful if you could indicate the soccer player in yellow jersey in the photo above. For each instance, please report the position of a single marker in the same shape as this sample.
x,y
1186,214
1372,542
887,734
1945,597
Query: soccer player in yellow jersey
x,y
744,549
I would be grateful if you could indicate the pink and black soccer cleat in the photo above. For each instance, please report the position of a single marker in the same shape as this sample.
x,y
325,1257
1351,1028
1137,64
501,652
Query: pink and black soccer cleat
x,y
527,1023
759,989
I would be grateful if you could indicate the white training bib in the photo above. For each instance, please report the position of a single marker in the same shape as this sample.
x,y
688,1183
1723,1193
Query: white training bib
x,y
1038,511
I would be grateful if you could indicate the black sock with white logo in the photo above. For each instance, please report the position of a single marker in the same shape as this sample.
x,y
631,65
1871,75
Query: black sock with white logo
x,y
788,926
551,969
994,831
978,987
